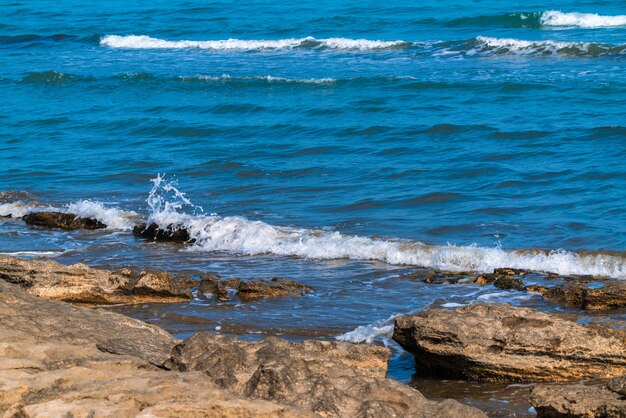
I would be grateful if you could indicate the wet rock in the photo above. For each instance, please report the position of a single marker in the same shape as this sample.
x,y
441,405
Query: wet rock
x,y
579,401
51,365
612,295
79,283
536,288
500,342
441,277
214,285
61,220
171,233
328,378
508,271
253,290
509,283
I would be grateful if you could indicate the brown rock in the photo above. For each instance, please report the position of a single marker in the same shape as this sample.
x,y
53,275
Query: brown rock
x,y
171,233
509,283
257,289
61,220
577,401
579,295
536,288
333,379
50,366
500,342
79,283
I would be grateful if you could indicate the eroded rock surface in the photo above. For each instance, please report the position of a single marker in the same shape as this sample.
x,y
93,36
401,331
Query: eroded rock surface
x,y
171,233
500,342
51,365
580,401
608,296
61,220
79,283
335,379
251,290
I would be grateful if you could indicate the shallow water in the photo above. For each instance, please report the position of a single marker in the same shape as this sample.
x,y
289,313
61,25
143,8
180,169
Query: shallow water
x,y
337,145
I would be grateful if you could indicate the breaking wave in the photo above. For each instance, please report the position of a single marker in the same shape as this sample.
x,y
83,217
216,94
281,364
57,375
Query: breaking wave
x,y
581,20
485,44
247,237
147,42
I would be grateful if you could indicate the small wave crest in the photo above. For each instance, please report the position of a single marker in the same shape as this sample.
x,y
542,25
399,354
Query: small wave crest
x,y
248,237
498,46
381,329
147,42
112,217
581,20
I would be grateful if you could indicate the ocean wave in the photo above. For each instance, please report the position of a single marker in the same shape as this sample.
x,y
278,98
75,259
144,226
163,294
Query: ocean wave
x,y
263,78
369,333
112,217
499,46
248,237
146,42
581,20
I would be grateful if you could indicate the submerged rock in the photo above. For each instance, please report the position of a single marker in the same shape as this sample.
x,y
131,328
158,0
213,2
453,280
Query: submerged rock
x,y
61,220
332,379
580,401
171,233
79,283
61,360
611,295
252,290
500,342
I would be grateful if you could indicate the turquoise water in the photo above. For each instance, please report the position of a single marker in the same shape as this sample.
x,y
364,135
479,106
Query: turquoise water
x,y
337,144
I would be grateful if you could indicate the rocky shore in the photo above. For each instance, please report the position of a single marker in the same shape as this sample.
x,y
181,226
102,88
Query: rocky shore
x,y
64,360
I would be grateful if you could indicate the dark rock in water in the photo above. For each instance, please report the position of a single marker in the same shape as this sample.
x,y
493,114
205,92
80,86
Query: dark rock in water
x,y
500,342
536,288
79,283
580,401
61,220
611,295
214,285
509,283
257,289
328,378
171,233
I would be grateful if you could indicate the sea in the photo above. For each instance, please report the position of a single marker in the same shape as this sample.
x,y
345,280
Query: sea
x,y
339,144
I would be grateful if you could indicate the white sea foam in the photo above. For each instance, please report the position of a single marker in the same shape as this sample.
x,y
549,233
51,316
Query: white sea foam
x,y
581,20
368,333
248,237
520,46
33,253
112,217
146,42
268,78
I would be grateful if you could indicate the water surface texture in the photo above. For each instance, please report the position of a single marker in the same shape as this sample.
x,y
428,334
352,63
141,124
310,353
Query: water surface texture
x,y
333,143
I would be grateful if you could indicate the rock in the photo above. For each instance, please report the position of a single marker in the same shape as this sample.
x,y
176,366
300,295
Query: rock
x,y
500,342
61,220
171,233
329,378
618,385
50,366
536,288
79,283
253,290
214,285
612,295
577,401
53,321
509,283
441,277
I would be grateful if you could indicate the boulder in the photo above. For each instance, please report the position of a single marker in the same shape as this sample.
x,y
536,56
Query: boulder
x,y
51,365
500,342
79,283
257,289
61,220
579,400
171,233
329,378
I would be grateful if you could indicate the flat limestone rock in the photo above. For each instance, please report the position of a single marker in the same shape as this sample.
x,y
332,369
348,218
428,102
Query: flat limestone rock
x,y
61,220
248,291
45,320
579,401
500,342
50,366
331,379
79,283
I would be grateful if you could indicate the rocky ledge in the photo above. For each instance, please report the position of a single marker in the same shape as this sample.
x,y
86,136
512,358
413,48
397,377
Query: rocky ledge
x,y
580,401
62,360
79,283
61,220
500,342
251,290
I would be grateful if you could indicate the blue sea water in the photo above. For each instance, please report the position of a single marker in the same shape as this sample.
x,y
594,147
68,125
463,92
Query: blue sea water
x,y
322,135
